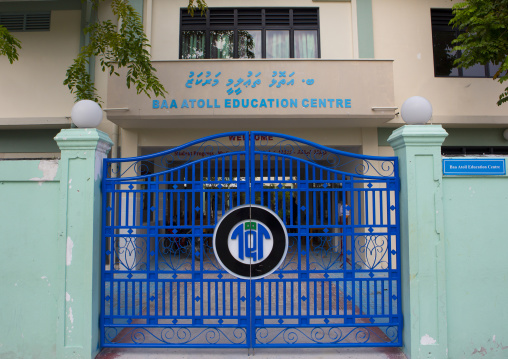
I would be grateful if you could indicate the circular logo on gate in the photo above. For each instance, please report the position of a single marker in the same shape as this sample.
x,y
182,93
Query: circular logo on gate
x,y
250,241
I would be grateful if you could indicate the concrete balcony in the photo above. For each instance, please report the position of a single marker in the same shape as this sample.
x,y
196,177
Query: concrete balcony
x,y
255,93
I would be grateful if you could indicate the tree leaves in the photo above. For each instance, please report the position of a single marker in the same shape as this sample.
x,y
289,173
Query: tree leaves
x,y
200,5
115,47
9,45
484,36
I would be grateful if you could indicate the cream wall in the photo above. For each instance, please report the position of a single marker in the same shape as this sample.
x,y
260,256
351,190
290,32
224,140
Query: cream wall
x,y
32,87
402,32
336,26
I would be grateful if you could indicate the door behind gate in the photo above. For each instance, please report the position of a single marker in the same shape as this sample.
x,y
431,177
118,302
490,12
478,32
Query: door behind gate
x,y
335,281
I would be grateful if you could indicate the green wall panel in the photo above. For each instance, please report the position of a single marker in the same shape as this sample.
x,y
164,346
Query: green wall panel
x,y
476,239
31,269
459,136
12,141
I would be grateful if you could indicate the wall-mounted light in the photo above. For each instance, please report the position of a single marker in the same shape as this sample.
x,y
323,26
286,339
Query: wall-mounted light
x,y
505,134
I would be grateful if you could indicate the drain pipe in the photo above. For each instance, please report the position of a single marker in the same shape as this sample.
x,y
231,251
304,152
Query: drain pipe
x,y
116,138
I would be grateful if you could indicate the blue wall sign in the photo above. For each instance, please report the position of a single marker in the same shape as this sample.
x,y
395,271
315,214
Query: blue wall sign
x,y
474,167
247,85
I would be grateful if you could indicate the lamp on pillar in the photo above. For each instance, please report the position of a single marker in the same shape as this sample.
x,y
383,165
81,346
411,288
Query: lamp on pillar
x,y
86,114
416,110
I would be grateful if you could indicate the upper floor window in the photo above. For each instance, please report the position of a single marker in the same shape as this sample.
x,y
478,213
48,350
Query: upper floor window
x,y
442,36
26,21
250,33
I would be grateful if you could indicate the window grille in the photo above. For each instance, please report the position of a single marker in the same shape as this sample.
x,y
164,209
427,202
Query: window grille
x,y
26,22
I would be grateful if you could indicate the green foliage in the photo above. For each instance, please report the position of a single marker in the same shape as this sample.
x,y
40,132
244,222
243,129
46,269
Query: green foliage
x,y
484,36
9,45
115,46
199,5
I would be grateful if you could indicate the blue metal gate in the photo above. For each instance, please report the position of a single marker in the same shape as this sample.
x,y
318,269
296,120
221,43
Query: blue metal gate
x,y
338,285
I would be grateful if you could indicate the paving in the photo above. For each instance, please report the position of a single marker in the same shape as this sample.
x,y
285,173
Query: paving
x,y
260,353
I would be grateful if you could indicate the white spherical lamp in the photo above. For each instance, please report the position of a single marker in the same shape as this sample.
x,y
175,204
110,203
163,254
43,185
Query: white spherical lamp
x,y
416,110
86,114
505,134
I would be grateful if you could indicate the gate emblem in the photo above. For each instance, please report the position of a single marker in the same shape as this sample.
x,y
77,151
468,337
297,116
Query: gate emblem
x,y
250,242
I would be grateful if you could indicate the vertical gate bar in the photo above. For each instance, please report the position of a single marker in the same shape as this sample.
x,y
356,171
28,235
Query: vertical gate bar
x,y
215,205
274,196
134,196
316,297
216,297
307,235
231,167
157,187
330,296
223,298
231,297
277,298
373,195
268,168
194,184
322,208
165,201
116,302
187,298
208,299
238,290
383,311
284,193
329,205
382,206
269,300
367,193
314,195
127,205
119,209
293,195
238,179
369,296
200,287
163,301
171,202
344,296
376,284
185,192
337,300
178,213
140,298
323,294
292,298
276,168
170,292
284,296
389,232
207,193
178,298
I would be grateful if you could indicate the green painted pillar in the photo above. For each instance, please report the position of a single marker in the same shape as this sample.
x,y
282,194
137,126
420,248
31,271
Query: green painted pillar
x,y
422,242
80,227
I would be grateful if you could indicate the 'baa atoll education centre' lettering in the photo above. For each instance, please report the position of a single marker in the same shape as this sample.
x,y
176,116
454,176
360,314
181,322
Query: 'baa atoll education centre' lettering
x,y
337,103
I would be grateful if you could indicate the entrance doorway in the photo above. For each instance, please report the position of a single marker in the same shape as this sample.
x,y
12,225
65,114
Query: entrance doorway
x,y
165,282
